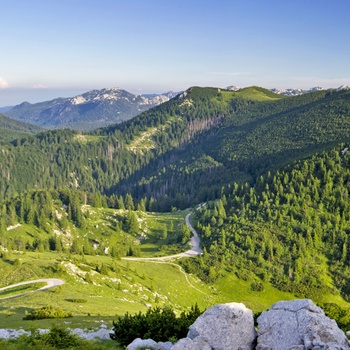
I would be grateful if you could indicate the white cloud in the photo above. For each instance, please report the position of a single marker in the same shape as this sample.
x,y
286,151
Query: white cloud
x,y
3,83
39,86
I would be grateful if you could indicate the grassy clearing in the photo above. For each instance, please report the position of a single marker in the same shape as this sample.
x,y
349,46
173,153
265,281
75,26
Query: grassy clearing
x,y
161,233
144,141
87,138
256,93
127,286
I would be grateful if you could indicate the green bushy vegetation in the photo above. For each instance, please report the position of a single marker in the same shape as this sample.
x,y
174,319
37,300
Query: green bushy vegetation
x,y
47,312
159,324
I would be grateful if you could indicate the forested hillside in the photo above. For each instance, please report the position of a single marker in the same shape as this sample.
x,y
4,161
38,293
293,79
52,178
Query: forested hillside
x,y
11,129
183,151
70,221
291,228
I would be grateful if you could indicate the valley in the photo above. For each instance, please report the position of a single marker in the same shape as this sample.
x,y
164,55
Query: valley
x,y
260,179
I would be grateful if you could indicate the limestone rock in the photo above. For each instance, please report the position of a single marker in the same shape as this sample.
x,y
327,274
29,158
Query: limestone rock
x,y
149,343
142,343
189,344
224,327
299,324
165,346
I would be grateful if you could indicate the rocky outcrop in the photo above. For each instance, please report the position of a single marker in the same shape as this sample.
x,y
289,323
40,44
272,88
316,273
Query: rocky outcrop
x,y
298,324
288,325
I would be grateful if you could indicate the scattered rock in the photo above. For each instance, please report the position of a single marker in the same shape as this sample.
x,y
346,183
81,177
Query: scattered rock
x,y
102,333
12,333
149,344
299,324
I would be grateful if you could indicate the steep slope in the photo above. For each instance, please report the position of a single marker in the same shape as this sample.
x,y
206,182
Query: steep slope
x,y
290,228
254,138
11,129
88,111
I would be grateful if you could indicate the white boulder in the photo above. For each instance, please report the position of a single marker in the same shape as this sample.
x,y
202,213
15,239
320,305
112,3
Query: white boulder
x,y
225,326
299,324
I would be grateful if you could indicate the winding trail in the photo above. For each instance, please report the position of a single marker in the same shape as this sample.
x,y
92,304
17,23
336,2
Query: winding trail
x,y
194,243
50,283
191,253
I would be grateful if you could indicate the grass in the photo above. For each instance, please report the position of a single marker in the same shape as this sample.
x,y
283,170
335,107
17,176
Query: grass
x,y
133,286
82,138
231,287
256,93
143,141
154,225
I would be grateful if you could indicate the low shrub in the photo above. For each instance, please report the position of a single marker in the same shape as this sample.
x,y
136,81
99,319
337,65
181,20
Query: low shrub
x,y
77,300
159,324
47,312
257,286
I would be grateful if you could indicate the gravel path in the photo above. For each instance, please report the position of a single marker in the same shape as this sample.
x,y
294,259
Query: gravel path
x,y
50,283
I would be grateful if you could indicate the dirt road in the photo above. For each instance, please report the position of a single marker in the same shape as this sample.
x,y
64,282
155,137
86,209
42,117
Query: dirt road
x,y
50,283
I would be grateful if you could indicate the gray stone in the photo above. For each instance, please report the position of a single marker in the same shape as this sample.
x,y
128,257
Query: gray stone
x,y
225,327
299,324
144,343
149,344
189,344
165,346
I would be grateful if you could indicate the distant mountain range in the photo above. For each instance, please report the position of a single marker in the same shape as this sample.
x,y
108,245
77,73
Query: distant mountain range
x,y
293,92
91,110
5,109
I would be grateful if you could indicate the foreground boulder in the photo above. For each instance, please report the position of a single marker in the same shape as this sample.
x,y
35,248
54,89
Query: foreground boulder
x,y
288,325
298,325
224,326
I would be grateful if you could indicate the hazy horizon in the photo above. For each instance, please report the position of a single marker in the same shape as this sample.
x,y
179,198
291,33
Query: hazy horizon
x,y
61,49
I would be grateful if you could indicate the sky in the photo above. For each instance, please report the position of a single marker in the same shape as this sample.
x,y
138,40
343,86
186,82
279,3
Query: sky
x,y
61,48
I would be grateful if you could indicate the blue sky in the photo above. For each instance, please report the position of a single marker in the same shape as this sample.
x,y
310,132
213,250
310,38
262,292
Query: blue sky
x,y
60,48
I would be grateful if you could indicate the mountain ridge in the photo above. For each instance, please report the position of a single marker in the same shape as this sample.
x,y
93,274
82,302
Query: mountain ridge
x,y
99,108
11,129
90,110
